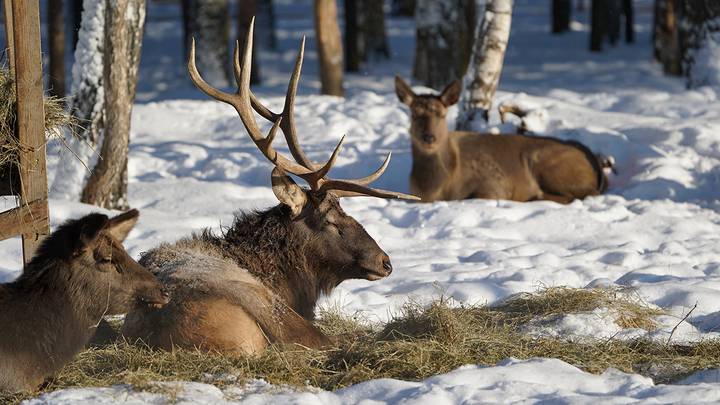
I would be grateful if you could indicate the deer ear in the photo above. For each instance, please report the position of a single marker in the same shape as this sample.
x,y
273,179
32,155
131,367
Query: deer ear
x,y
88,229
451,94
288,192
403,91
120,226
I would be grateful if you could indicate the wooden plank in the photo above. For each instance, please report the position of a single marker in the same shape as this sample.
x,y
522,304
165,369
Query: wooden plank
x,y
30,115
16,221
7,12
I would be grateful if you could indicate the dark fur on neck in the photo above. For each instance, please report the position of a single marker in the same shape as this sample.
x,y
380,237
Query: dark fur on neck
x,y
280,253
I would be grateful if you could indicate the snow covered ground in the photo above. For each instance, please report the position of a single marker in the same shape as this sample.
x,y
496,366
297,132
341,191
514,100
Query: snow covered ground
x,y
657,229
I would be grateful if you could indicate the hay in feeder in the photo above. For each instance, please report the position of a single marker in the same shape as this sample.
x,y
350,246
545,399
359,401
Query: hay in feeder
x,y
56,118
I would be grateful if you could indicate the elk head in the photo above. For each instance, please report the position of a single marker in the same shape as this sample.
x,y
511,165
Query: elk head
x,y
97,257
343,242
428,126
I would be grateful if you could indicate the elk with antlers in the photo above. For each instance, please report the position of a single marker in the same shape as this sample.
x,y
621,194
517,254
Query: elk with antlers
x,y
457,165
258,283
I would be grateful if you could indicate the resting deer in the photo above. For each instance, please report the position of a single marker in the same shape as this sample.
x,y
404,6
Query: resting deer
x,y
259,281
454,165
80,273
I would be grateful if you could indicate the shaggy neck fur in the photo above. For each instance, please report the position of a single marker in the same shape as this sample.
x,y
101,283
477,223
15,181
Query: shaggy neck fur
x,y
282,254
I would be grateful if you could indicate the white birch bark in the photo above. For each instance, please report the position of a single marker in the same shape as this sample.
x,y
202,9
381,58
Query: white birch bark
x,y
483,75
86,104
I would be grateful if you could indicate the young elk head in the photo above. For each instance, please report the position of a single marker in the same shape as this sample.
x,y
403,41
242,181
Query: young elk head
x,y
93,248
344,244
428,126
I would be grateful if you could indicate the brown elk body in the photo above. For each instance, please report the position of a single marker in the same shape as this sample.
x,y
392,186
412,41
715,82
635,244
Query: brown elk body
x,y
258,283
454,165
80,273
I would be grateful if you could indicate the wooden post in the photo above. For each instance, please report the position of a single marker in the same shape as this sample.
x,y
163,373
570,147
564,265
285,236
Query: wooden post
x,y
7,9
30,119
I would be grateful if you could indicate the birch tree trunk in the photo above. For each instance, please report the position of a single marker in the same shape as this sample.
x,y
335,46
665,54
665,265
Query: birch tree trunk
x,y
329,43
483,75
443,40
86,104
56,38
107,185
208,21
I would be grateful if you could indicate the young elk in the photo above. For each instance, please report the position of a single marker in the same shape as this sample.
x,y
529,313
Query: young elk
x,y
80,273
258,283
454,165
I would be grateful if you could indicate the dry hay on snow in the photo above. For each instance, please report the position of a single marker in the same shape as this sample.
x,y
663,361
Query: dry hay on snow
x,y
420,341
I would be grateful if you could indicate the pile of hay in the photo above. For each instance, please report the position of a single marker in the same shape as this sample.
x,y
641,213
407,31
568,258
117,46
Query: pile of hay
x,y
55,118
420,341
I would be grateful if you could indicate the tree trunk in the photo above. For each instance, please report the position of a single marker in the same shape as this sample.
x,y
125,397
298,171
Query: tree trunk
x,y
561,13
86,104
265,24
598,24
443,40
329,43
700,42
246,11
629,13
666,36
483,75
56,37
613,9
76,14
352,37
208,21
375,41
403,8
107,185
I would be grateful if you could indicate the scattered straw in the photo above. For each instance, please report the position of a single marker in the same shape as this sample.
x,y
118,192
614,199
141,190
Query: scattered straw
x,y
420,341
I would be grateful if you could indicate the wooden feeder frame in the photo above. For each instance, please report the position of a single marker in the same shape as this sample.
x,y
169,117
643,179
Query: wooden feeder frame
x,y
31,218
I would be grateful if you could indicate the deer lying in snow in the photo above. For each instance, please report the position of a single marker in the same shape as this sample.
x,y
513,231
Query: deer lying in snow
x,y
258,283
80,273
454,165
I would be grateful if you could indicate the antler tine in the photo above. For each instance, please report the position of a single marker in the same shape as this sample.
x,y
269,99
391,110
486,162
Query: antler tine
x,y
342,188
201,84
376,174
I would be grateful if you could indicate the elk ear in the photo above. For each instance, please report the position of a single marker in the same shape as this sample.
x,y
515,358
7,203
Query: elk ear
x,y
88,229
403,91
451,94
120,226
288,192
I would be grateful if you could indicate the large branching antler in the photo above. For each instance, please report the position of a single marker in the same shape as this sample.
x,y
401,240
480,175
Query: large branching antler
x,y
244,102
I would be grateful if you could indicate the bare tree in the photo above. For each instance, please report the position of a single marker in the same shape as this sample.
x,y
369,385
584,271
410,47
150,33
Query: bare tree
x,y
700,42
666,35
375,40
352,38
124,21
443,40
56,37
365,34
246,12
208,21
483,75
561,13
329,43
87,103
